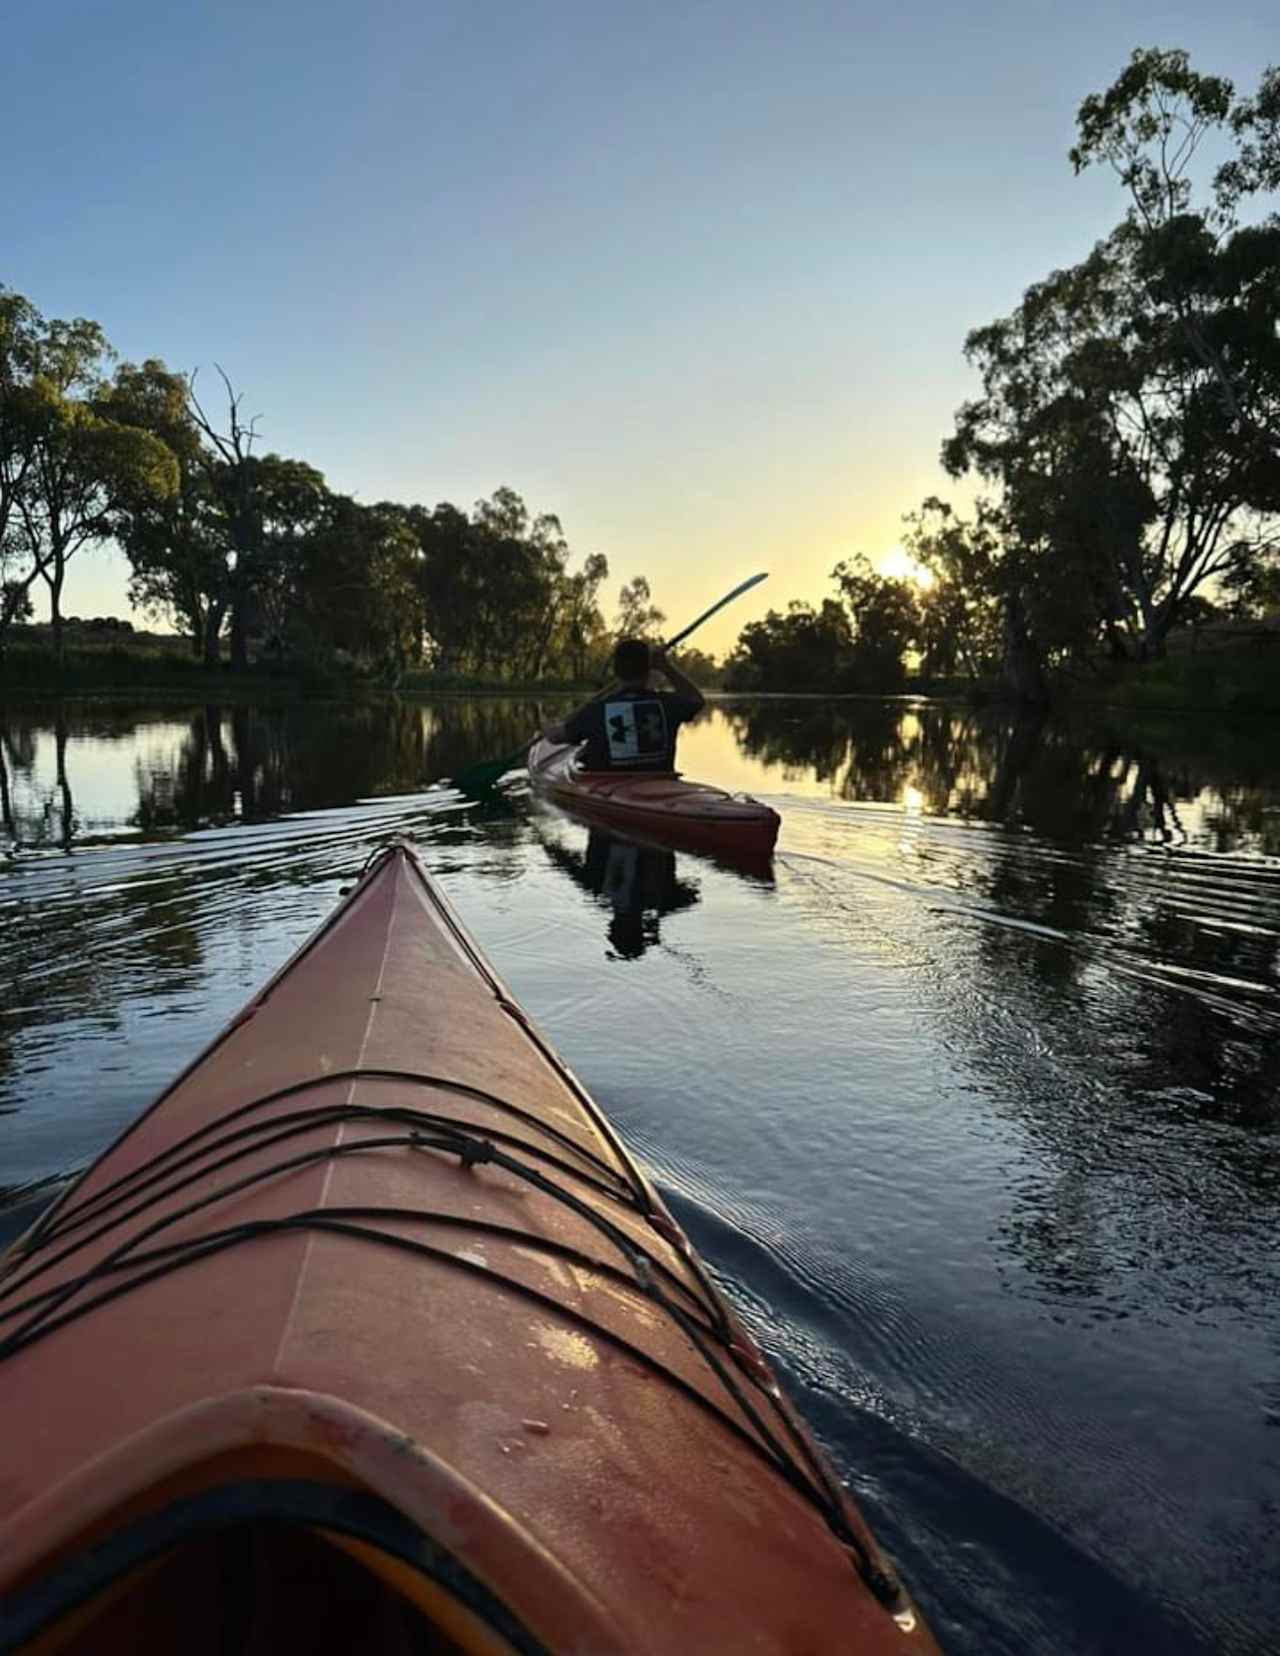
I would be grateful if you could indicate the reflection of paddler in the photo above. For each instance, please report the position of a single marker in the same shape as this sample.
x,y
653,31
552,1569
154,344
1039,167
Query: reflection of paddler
x,y
631,876
639,883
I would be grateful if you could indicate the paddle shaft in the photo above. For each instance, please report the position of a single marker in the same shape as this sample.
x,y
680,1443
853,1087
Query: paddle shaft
x,y
753,580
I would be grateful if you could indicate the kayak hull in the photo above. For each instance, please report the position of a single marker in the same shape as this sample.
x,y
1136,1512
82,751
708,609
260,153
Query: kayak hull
x,y
374,1288
659,806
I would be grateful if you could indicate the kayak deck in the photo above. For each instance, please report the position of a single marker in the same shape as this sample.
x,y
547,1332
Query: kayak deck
x,y
374,1290
659,803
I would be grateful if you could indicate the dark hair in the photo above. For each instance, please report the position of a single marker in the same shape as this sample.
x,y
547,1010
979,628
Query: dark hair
x,y
631,658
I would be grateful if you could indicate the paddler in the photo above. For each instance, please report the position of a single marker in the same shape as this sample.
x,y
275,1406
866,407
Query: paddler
x,y
633,725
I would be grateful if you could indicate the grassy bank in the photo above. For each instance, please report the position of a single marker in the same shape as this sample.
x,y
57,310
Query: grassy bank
x,y
93,669
424,682
166,667
1232,676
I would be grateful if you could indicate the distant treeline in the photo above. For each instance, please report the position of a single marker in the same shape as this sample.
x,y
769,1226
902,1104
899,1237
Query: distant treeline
x,y
254,550
1127,431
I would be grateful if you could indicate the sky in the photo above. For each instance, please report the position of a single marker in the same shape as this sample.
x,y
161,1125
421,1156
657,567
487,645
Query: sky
x,y
695,277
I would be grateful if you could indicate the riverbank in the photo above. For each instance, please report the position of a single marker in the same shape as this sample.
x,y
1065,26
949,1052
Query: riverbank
x,y
166,669
28,671
1231,673
1222,673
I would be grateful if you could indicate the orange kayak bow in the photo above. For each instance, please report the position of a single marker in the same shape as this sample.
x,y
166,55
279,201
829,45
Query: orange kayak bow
x,y
370,1335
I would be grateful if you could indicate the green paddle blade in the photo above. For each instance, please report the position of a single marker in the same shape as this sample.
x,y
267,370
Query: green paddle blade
x,y
481,777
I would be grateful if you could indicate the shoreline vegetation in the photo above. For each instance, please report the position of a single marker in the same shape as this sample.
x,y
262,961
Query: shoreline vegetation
x,y
1122,548
1225,669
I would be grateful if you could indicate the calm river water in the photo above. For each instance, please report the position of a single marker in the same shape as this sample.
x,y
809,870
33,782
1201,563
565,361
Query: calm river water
x,y
971,1101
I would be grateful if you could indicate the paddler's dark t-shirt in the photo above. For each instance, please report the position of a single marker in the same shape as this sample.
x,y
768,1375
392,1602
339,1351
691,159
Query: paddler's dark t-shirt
x,y
632,730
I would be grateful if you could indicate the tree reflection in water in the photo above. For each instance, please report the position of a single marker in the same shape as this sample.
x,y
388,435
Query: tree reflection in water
x,y
251,763
1119,1007
1021,769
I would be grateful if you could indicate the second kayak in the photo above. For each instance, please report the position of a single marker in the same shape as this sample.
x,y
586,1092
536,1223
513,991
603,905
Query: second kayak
x,y
660,804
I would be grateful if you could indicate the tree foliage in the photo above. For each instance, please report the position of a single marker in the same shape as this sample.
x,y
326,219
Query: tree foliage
x,y
1129,421
858,641
254,549
638,616
65,461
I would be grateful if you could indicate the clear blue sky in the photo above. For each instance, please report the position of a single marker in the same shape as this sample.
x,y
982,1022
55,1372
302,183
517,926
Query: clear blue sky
x,y
694,276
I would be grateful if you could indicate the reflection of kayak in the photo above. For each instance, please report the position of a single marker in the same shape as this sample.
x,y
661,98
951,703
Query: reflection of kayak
x,y
369,1335
658,804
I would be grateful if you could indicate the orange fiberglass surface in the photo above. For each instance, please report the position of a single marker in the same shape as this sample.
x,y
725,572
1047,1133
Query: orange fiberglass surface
x,y
370,1335
658,805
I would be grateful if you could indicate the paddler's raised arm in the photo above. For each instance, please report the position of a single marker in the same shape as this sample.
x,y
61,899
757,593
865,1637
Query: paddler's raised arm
x,y
664,664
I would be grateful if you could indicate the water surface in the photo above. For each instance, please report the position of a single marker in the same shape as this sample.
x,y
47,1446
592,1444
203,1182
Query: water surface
x,y
970,1099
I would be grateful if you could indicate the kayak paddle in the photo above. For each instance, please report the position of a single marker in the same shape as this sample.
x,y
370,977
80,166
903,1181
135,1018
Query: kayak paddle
x,y
480,777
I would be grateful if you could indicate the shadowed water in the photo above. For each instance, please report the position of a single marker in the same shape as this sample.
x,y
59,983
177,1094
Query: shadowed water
x,y
971,1099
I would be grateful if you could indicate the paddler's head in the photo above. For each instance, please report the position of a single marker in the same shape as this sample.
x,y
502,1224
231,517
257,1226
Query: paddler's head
x,y
631,663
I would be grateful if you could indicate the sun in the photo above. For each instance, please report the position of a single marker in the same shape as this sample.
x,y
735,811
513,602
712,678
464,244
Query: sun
x,y
898,563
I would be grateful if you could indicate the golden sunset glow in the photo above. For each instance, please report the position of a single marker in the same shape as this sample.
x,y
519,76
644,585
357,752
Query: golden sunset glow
x,y
898,563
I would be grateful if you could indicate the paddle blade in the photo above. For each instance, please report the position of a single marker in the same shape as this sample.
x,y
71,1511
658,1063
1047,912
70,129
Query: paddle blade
x,y
482,777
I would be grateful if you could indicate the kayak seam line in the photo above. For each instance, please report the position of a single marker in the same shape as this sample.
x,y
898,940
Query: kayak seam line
x,y
486,973
286,1333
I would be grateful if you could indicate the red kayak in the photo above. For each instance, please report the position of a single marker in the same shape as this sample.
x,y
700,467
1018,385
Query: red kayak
x,y
658,805
369,1335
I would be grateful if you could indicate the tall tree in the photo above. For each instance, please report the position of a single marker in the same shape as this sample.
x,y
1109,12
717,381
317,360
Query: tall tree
x,y
176,544
884,621
20,325
961,610
803,649
638,616
1127,403
496,592
1218,274
263,507
585,634
83,463
985,584
355,585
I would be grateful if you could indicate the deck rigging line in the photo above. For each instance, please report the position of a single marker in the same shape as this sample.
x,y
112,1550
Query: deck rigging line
x,y
696,1307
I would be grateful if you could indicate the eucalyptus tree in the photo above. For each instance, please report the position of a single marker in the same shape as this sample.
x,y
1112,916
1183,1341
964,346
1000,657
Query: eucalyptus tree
x,y
802,649
354,584
1216,268
175,544
638,616
497,595
19,331
1129,403
585,633
264,507
65,463
884,623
